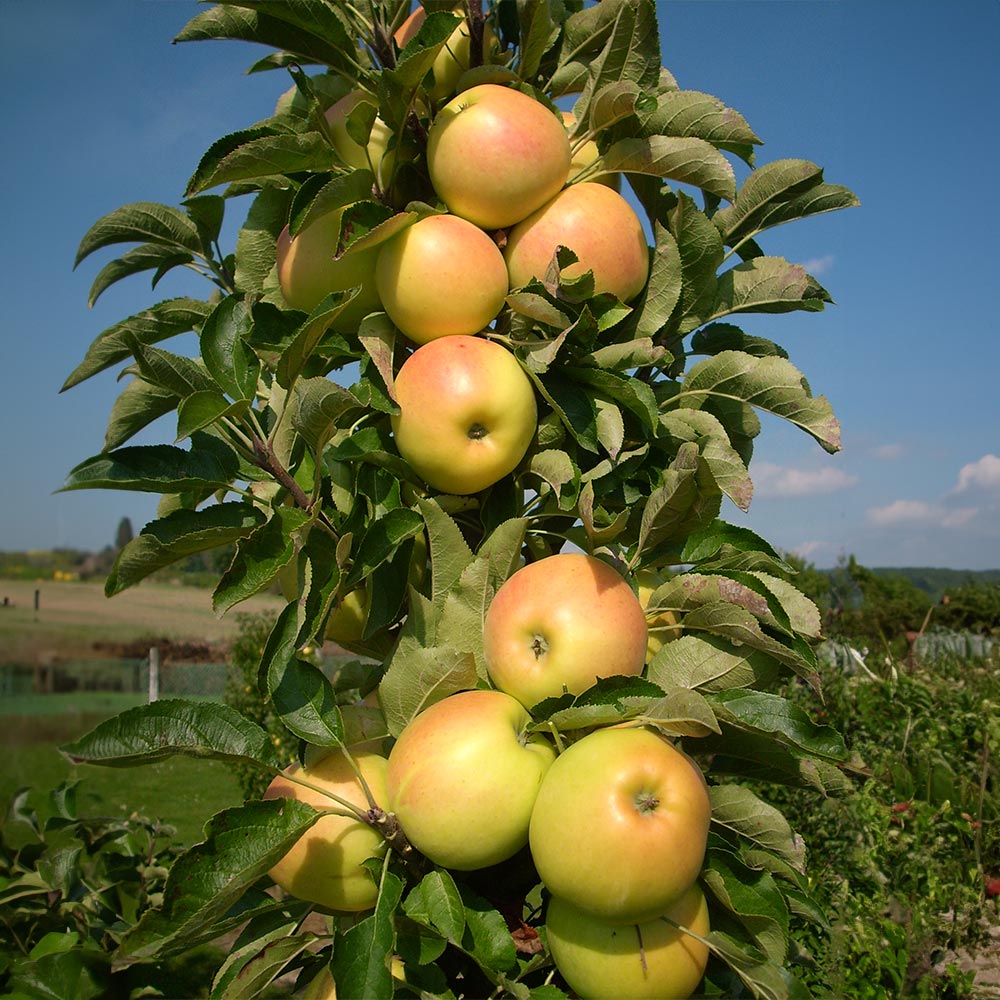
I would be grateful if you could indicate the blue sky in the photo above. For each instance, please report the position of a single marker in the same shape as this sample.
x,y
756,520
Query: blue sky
x,y
894,98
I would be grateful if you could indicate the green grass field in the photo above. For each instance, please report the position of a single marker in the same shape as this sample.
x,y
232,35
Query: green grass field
x,y
180,792
71,618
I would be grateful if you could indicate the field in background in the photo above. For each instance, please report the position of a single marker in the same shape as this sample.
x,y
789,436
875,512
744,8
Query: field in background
x,y
75,627
75,620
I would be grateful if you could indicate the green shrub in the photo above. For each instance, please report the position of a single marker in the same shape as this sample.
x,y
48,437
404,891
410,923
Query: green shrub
x,y
899,864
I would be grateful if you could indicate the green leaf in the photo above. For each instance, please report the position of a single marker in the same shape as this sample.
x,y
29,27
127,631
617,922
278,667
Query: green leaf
x,y
754,898
164,320
767,285
765,979
449,552
259,556
778,192
685,160
176,372
148,257
740,811
701,252
300,691
137,406
692,114
157,468
573,404
663,289
435,902
362,956
256,243
667,507
419,675
770,383
226,21
487,938
224,349
719,337
709,663
202,409
240,846
775,716
257,153
177,536
141,222
172,727
381,539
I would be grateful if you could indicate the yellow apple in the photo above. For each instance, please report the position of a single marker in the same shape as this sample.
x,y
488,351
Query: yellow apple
x,y
375,156
559,624
453,60
654,960
441,253
620,825
585,154
495,155
462,779
307,271
598,225
467,413
662,627
324,866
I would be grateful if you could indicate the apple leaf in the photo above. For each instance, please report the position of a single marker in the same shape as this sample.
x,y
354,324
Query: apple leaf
x,y
769,713
142,222
709,663
436,903
224,350
240,846
719,337
172,727
299,690
753,897
137,406
681,712
362,954
686,160
176,536
159,322
765,979
450,553
694,114
767,285
259,556
256,243
148,257
157,468
770,383
739,810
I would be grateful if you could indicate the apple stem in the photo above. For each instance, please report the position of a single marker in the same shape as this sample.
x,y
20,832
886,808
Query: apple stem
x,y
476,21
392,834
642,950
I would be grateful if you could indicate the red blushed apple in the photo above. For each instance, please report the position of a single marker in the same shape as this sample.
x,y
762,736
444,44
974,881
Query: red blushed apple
x,y
496,154
654,960
561,623
463,776
467,413
325,864
441,254
620,825
307,271
598,225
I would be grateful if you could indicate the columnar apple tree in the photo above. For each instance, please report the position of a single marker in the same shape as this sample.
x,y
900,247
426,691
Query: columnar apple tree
x,y
478,338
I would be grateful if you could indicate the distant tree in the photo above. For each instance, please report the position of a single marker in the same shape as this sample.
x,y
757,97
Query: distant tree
x,y
124,534
973,607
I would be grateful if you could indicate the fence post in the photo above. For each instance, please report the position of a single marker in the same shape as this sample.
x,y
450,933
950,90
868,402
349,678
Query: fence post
x,y
154,673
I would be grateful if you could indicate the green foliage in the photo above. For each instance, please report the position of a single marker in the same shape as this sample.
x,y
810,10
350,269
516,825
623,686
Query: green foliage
x,y
243,694
71,889
647,419
898,865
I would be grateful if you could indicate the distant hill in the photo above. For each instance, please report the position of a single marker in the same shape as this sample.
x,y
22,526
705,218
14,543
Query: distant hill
x,y
935,581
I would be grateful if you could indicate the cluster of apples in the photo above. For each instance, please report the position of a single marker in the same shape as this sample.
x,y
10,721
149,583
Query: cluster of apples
x,y
616,824
500,162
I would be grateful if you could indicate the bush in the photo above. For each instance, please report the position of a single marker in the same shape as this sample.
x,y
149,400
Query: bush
x,y
899,864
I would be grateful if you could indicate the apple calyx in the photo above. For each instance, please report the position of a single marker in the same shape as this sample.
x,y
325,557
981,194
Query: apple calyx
x,y
477,432
646,803
539,646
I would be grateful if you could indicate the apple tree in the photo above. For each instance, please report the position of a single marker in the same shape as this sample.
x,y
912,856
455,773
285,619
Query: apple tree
x,y
472,230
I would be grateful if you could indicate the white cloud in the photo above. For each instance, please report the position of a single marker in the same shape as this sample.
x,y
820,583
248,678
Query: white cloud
x,y
806,550
819,265
779,481
916,512
983,474
888,452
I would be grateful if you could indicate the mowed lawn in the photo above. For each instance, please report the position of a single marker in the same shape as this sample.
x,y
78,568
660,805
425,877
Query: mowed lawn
x,y
72,617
